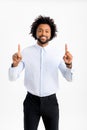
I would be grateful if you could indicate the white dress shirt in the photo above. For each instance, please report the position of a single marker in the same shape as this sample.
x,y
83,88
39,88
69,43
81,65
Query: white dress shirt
x,y
41,66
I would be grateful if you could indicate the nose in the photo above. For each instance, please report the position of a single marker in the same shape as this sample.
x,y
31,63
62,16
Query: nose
x,y
43,33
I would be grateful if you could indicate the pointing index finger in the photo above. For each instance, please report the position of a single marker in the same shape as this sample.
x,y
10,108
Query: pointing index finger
x,y
66,48
19,54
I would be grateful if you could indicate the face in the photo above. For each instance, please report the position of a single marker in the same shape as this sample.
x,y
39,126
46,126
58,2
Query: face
x,y
43,33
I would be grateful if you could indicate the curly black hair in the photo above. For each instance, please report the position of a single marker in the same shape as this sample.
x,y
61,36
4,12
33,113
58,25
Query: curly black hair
x,y
43,20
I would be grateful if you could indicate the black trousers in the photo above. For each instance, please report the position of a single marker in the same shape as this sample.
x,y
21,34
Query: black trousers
x,y
46,107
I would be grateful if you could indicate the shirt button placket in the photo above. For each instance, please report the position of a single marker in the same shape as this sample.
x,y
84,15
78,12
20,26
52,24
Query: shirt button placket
x,y
41,72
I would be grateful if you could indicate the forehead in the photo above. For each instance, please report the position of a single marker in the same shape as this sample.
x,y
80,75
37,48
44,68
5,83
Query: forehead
x,y
44,26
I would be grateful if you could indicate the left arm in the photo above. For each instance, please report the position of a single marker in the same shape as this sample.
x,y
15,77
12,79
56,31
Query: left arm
x,y
66,66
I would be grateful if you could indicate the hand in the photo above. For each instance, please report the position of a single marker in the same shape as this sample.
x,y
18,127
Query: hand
x,y
67,57
17,57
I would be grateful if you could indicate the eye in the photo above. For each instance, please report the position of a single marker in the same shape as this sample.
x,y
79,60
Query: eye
x,y
47,31
39,31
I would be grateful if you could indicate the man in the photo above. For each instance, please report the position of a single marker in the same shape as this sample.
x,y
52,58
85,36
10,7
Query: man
x,y
41,65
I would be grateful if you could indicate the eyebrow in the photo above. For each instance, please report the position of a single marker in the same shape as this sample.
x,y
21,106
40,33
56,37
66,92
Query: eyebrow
x,y
42,29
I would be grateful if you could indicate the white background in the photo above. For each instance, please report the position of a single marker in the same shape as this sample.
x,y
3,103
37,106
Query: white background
x,y
16,17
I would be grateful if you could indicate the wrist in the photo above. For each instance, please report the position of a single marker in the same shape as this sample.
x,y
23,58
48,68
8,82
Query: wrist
x,y
14,65
69,65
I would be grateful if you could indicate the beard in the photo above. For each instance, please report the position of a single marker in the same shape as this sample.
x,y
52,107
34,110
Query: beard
x,y
43,42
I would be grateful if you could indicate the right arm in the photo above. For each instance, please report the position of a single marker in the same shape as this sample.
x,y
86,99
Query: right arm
x,y
17,66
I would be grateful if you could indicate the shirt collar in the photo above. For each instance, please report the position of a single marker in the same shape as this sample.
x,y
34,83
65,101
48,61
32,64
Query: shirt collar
x,y
46,48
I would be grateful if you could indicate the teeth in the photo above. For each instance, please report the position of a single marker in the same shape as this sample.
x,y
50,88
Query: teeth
x,y
43,37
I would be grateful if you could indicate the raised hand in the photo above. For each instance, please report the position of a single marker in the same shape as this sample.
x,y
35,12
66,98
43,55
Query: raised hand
x,y
17,57
67,57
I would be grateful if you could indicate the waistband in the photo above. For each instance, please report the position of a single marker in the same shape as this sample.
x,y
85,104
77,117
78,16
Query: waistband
x,y
37,97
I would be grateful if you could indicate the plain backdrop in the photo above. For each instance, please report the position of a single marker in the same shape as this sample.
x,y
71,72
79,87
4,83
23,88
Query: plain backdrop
x,y
16,17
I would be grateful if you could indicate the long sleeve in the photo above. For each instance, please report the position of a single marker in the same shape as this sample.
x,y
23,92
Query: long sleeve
x,y
14,72
66,72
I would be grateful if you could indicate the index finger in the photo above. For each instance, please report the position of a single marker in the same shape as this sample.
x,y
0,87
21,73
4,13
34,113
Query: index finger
x,y
19,50
66,48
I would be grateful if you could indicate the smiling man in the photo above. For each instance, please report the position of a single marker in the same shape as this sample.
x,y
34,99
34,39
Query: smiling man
x,y
41,64
43,34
